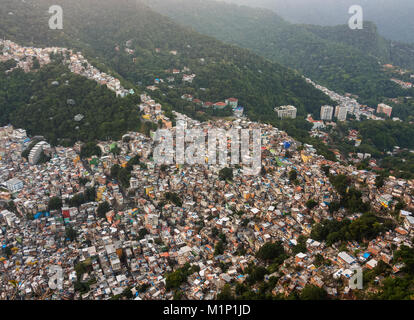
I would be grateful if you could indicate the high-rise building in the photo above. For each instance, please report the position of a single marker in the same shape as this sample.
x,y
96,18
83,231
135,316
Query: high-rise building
x,y
285,112
327,112
36,151
341,112
383,108
357,108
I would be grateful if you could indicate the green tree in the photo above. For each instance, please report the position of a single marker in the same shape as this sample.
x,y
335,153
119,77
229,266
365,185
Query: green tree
x,y
90,149
226,293
219,248
405,254
142,233
115,169
270,251
226,174
36,64
55,203
319,260
379,181
256,274
77,200
311,292
310,204
71,233
178,294
293,175
174,198
326,169
179,276
301,246
103,208
90,194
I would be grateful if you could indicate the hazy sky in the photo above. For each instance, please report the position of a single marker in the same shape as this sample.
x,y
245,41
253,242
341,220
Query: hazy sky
x,y
395,18
330,10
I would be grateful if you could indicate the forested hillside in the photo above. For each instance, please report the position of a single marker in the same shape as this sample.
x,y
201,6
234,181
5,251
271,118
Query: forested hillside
x,y
393,17
41,102
342,59
368,41
379,138
101,29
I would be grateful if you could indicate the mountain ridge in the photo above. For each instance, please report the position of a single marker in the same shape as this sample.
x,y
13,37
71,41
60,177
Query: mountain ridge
x,y
101,28
336,57
394,18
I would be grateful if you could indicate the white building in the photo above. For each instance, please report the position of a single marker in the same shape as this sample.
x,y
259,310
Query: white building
x,y
345,257
35,153
286,112
327,112
409,222
341,112
10,218
19,134
14,185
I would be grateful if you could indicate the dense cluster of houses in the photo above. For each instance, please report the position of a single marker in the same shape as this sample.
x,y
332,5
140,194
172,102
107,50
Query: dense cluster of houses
x,y
346,104
402,84
24,56
399,72
144,237
152,111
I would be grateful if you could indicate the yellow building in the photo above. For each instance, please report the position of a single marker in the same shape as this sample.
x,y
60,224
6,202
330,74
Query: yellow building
x,y
148,190
305,158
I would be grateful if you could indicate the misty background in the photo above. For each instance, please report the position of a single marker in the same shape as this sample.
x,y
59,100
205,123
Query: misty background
x,y
394,18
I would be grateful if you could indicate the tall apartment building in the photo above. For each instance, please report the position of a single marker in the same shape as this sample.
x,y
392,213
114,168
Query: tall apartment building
x,y
36,151
341,112
356,108
383,108
286,112
327,112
